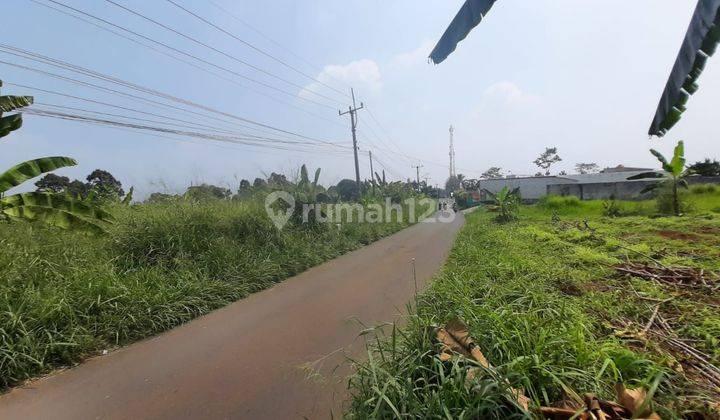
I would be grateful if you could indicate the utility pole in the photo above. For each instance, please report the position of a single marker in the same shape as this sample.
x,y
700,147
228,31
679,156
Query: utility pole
x,y
372,173
417,167
452,153
352,110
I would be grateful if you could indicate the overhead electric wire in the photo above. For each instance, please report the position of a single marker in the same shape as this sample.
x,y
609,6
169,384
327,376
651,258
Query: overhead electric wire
x,y
259,50
171,97
277,44
230,56
291,94
214,137
18,52
203,69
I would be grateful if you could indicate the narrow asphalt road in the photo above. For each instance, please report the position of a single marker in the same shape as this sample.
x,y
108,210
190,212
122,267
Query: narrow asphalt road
x,y
279,354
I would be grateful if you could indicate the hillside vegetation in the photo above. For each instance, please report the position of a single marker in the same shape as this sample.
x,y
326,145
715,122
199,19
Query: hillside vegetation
x,y
546,303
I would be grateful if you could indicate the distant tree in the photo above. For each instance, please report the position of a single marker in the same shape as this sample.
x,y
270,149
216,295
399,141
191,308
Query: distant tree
x,y
346,189
52,183
259,183
278,181
492,172
104,185
706,167
78,189
547,158
206,192
245,189
461,177
587,168
452,184
538,174
157,197
562,173
470,184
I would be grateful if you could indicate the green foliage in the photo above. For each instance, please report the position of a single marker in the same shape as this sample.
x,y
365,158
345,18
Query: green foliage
x,y
206,192
128,197
505,202
706,167
66,296
544,304
347,190
669,188
704,189
30,169
547,158
11,103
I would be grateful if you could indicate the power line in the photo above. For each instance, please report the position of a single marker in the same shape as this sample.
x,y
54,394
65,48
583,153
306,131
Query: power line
x,y
203,69
277,44
250,79
230,56
230,34
157,93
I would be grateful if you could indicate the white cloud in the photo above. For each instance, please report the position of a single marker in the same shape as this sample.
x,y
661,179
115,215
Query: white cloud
x,y
410,59
508,94
363,75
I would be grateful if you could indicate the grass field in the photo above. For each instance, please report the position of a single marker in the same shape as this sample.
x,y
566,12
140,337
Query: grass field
x,y
65,296
542,299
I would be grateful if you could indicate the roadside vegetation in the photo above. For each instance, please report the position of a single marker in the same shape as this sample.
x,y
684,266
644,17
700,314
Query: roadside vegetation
x,y
570,298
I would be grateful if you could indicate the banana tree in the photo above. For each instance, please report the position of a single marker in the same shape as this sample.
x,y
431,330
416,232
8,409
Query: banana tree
x,y
676,174
53,209
506,202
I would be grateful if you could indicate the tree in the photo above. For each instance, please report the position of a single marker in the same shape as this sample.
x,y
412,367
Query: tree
x,y
587,168
492,172
105,186
452,184
506,202
470,184
52,183
676,171
205,192
78,189
259,183
346,189
706,167
56,210
245,189
278,181
547,158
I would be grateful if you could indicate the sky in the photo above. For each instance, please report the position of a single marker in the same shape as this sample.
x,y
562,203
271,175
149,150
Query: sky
x,y
584,77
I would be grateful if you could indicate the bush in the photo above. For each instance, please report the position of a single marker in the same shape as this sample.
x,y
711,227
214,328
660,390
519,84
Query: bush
x,y
703,189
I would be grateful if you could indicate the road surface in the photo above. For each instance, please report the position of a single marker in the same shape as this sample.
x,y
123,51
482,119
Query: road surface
x,y
278,354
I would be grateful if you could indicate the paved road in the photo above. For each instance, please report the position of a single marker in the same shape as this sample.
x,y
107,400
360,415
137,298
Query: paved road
x,y
279,354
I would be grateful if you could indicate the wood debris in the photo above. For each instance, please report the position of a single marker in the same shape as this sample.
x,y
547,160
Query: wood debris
x,y
673,276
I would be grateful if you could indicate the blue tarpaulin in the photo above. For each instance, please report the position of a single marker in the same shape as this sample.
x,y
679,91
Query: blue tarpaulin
x,y
700,42
469,16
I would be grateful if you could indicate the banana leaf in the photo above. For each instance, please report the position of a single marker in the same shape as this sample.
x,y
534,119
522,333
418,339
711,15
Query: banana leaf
x,y
700,42
10,123
52,217
11,103
32,168
58,202
468,17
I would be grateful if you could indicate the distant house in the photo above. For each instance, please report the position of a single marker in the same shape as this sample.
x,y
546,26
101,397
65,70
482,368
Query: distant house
x,y
531,187
610,182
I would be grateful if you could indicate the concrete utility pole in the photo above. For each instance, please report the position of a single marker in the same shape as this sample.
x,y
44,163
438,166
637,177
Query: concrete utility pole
x,y
417,167
452,153
352,110
372,173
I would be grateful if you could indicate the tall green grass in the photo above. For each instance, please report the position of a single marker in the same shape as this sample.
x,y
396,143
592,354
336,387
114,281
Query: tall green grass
x,y
65,295
542,300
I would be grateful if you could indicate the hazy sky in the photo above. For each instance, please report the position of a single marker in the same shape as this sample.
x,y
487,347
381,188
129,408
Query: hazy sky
x,y
584,76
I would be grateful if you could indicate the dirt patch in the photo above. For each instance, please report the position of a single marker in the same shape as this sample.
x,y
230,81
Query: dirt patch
x,y
680,236
568,288
708,230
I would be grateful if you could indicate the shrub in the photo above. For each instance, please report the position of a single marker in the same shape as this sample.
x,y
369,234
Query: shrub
x,y
703,189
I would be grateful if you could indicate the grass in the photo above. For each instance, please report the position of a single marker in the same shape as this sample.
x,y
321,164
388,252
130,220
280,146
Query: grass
x,y
545,305
64,296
